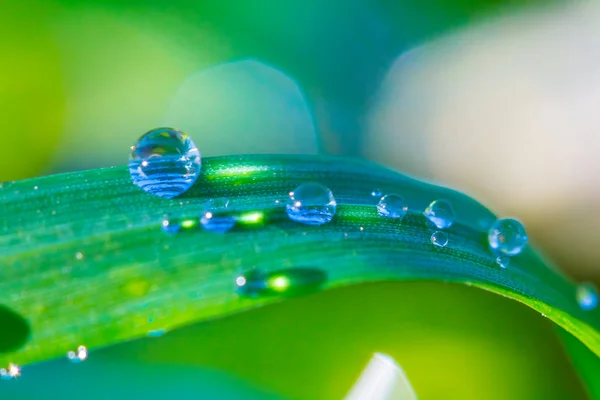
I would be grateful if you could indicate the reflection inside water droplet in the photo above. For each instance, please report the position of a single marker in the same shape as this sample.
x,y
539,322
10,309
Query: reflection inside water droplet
x,y
164,162
439,238
587,296
290,281
311,204
171,225
440,213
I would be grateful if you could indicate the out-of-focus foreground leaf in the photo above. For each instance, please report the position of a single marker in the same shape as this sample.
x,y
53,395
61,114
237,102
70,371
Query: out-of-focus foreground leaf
x,y
84,258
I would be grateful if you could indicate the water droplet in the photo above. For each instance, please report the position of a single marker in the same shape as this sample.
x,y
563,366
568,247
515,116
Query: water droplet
x,y
503,261
156,333
311,204
11,372
79,256
288,282
391,206
35,188
164,162
587,296
440,213
172,225
439,238
507,236
376,194
78,356
217,217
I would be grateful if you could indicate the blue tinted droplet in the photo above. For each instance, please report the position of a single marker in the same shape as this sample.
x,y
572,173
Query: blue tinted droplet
x,y
286,282
503,261
172,225
440,213
507,236
164,162
439,238
391,206
217,217
311,204
587,296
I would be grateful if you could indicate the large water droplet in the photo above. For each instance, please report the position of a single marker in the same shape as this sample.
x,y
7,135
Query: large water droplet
x,y
391,206
288,282
311,204
217,217
439,238
440,213
164,162
507,236
587,296
78,356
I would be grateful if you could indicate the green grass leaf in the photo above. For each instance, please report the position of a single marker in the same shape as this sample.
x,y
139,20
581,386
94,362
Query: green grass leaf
x,y
84,258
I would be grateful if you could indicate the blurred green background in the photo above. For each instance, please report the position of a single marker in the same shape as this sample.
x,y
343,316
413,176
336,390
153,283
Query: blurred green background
x,y
81,80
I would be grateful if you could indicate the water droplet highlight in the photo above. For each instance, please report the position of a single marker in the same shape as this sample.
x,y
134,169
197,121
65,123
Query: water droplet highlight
x,y
439,238
79,256
217,217
13,371
164,162
311,204
507,236
440,213
78,356
391,206
587,296
503,261
156,333
376,194
285,282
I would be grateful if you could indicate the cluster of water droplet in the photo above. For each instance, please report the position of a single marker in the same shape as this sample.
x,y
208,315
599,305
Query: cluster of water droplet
x,y
79,355
13,371
166,163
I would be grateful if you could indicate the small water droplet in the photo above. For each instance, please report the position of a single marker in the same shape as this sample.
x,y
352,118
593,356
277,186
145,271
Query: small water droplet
x,y
440,213
79,355
288,282
164,162
79,256
507,236
391,206
503,261
439,238
587,296
35,188
377,194
172,225
311,204
217,217
13,371
156,333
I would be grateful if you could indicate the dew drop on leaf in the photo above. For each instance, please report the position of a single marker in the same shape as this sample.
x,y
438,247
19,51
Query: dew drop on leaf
x,y
13,371
164,162
171,225
79,355
507,236
285,282
217,217
391,206
439,238
311,204
440,213
587,296
503,261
